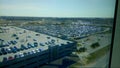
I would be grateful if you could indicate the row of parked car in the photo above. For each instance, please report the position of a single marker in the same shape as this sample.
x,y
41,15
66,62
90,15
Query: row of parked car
x,y
3,43
69,30
19,55
15,49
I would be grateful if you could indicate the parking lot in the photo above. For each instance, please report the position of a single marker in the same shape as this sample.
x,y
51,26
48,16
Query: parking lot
x,y
16,42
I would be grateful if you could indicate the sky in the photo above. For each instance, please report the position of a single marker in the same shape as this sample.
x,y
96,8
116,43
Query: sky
x,y
58,8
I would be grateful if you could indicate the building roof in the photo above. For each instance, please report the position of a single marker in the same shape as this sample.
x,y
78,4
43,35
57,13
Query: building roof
x,y
23,37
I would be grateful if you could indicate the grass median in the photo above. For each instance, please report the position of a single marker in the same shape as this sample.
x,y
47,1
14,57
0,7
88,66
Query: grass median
x,y
93,56
98,54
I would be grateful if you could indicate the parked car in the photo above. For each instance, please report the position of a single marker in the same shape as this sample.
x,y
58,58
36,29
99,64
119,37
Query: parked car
x,y
30,45
25,54
21,55
33,51
30,52
35,44
0,53
5,59
42,44
10,58
13,42
3,51
8,50
13,50
16,48
23,47
16,56
37,50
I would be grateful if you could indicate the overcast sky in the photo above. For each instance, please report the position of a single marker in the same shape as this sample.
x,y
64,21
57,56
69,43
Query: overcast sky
x,y
57,8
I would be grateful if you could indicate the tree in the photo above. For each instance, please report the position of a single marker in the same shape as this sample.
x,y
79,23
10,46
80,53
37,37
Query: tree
x,y
78,44
95,45
82,49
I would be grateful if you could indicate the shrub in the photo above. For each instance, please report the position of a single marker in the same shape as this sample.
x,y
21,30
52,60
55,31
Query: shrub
x,y
83,49
95,45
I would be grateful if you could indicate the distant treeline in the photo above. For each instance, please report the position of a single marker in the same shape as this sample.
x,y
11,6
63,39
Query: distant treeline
x,y
95,20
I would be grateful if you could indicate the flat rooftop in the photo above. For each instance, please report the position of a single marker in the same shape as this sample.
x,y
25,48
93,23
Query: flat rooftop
x,y
23,37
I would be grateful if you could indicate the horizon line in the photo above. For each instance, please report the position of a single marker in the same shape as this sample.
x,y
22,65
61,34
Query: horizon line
x,y
55,17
